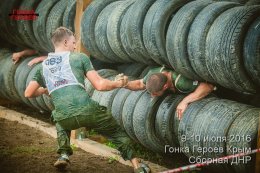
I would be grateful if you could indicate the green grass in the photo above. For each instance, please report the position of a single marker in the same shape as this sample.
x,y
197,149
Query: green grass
x,y
113,159
74,147
110,144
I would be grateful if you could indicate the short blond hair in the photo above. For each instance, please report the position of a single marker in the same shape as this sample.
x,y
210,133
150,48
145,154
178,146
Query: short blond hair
x,y
60,34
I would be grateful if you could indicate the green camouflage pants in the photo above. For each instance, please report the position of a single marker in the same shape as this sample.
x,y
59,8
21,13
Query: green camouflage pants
x,y
102,122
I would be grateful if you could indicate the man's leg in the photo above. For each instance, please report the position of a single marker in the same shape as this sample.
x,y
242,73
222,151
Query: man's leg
x,y
64,148
126,147
104,123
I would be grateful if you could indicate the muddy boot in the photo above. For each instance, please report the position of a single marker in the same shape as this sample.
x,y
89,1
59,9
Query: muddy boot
x,y
62,162
142,169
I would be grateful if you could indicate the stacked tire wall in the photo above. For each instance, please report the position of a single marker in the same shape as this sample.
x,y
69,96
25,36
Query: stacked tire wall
x,y
36,33
152,121
205,40
210,128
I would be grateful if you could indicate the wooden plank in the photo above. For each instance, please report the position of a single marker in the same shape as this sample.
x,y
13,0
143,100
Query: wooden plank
x,y
257,164
81,6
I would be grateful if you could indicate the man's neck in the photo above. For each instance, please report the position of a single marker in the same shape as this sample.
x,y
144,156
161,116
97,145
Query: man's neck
x,y
60,49
169,80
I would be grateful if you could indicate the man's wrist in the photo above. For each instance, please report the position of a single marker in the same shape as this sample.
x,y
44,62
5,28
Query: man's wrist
x,y
119,84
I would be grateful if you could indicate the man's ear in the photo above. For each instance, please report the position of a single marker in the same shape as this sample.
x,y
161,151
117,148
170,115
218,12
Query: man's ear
x,y
65,42
165,87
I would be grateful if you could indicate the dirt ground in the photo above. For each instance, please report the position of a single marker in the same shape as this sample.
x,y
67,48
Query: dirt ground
x,y
26,150
37,152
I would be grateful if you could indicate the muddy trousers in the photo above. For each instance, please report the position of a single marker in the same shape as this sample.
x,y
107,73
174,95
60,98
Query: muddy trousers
x,y
103,123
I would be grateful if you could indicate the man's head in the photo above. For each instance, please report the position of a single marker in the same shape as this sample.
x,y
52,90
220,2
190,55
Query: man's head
x,y
63,38
156,84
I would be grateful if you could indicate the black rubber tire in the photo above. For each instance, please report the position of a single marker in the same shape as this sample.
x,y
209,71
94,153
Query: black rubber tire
x,y
2,91
242,2
48,102
198,33
88,28
131,31
4,77
101,32
223,116
186,133
20,78
98,64
41,102
105,73
54,20
117,105
9,26
134,69
155,25
144,122
4,51
253,2
69,15
2,60
164,121
39,25
145,71
177,37
245,127
3,21
224,48
113,30
8,71
105,98
213,120
252,51
128,110
25,28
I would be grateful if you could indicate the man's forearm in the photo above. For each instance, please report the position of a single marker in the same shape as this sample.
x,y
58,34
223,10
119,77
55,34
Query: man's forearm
x,y
39,92
107,85
202,91
28,52
135,85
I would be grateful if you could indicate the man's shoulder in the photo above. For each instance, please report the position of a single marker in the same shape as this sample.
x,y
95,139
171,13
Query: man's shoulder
x,y
78,55
158,70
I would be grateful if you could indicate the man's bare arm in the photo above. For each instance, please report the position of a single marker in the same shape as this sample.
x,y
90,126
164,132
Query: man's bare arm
x,y
34,90
37,60
135,85
201,91
18,55
103,84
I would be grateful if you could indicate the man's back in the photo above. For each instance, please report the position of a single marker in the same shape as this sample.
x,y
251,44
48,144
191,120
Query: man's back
x,y
64,75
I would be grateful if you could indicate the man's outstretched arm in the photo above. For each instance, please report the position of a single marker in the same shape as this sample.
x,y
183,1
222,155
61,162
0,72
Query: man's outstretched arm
x,y
135,85
103,84
201,91
18,55
25,53
37,60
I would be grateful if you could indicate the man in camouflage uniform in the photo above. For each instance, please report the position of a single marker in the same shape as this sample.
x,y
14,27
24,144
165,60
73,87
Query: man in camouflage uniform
x,y
160,79
63,73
